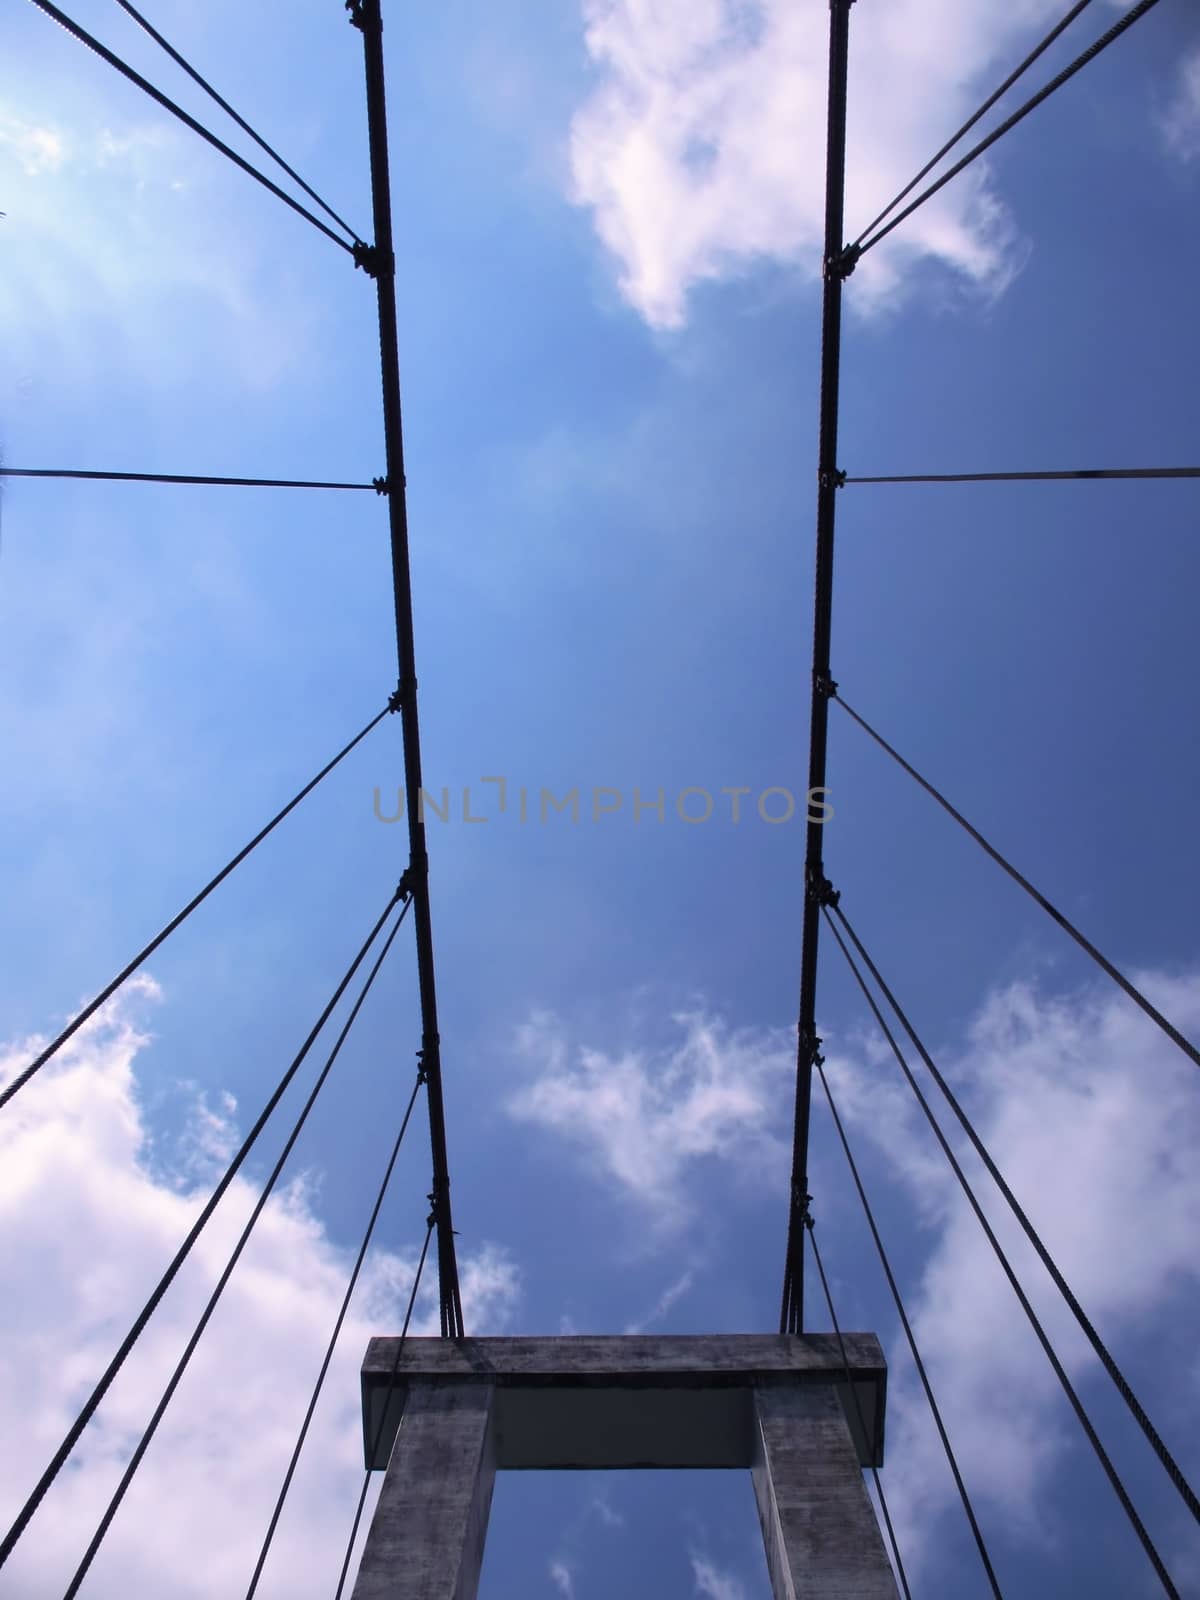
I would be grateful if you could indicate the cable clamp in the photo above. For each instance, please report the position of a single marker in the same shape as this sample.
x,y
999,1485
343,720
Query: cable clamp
x,y
380,485
825,685
355,19
802,1202
820,889
840,266
396,698
810,1048
422,1073
831,479
404,889
372,260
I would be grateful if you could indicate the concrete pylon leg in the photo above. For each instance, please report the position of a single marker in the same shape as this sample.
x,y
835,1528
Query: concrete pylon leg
x,y
427,1534
819,1528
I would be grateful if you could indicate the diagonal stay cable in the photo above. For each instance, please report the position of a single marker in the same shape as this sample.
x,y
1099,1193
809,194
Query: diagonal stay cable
x,y
1118,28
1169,1463
226,107
379,484
333,1339
143,1444
111,988
1043,1339
1084,944
1038,50
127,71
853,1394
362,1494
1032,477
97,1395
819,1063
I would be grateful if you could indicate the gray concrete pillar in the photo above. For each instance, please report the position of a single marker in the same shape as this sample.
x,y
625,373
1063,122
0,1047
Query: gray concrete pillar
x,y
819,1528
427,1535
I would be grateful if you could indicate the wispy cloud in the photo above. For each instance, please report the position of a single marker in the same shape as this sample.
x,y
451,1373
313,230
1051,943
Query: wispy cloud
x,y
1093,1117
673,1292
1181,118
700,149
716,1583
560,1574
91,1222
649,1118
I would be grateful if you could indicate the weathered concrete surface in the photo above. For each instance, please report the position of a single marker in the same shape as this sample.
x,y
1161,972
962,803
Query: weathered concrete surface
x,y
819,1528
771,1403
577,1421
427,1534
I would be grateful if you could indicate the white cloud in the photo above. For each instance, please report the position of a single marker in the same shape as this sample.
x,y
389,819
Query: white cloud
x,y
560,1573
649,1119
37,148
1181,119
1089,1111
714,1583
1093,1116
700,150
673,1292
97,1222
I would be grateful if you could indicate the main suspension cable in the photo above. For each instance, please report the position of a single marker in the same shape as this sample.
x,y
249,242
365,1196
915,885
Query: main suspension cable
x,y
852,1392
1032,477
1039,49
333,1339
111,988
791,1310
1059,1370
379,484
97,1395
380,261
241,121
1084,944
127,71
378,1434
1114,33
1168,1461
819,1063
143,1444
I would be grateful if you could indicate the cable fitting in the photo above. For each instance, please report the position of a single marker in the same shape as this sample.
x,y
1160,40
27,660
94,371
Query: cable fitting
x,y
840,267
355,19
396,698
820,889
372,260
404,889
380,485
825,685
422,1073
835,479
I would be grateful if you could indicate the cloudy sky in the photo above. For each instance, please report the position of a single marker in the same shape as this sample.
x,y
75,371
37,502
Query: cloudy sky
x,y
608,222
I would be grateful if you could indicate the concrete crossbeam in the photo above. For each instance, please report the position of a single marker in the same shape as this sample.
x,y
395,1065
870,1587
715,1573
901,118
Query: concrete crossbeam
x,y
453,1412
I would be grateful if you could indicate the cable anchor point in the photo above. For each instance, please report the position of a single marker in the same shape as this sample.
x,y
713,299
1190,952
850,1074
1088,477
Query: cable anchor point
x,y
840,266
825,685
372,259
831,478
380,485
822,891
404,889
397,697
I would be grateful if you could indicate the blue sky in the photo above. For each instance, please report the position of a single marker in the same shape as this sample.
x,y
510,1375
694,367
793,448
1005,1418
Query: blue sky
x,y
607,223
